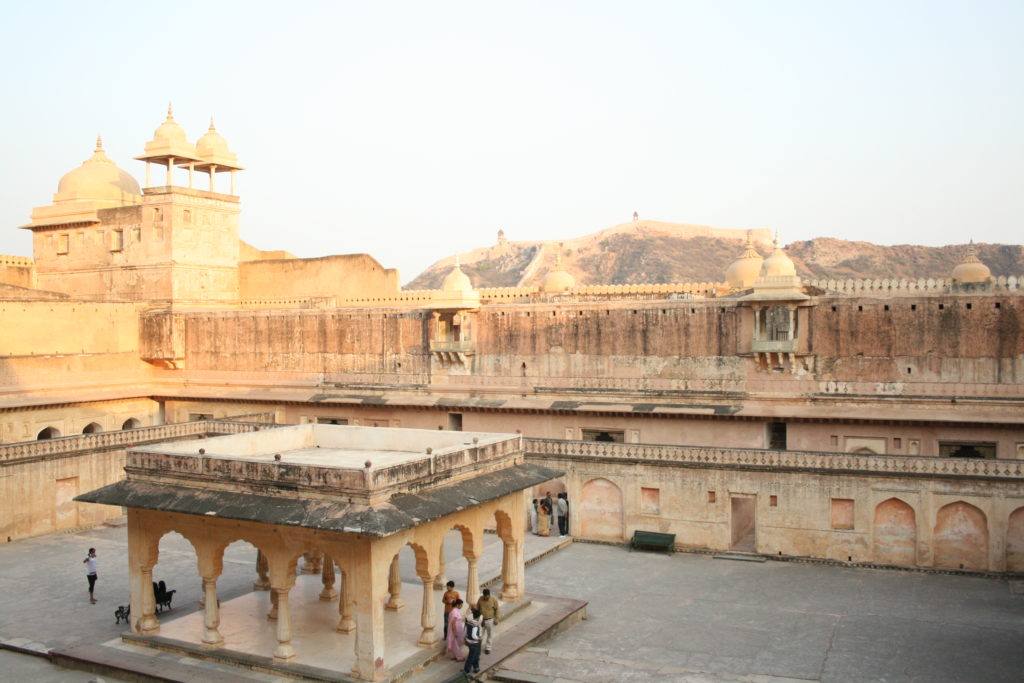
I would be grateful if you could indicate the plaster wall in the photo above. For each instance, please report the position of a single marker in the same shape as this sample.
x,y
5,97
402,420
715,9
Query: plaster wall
x,y
38,493
800,522
349,275
25,423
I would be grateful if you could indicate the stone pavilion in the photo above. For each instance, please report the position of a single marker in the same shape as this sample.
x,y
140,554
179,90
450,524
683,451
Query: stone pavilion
x,y
353,496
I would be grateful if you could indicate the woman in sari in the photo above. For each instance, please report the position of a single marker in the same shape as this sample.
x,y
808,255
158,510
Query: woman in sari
x,y
543,521
456,631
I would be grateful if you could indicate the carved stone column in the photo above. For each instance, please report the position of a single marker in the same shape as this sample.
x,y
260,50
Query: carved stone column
x,y
346,624
439,580
510,589
394,602
142,555
472,581
211,615
429,637
272,614
262,572
284,651
311,563
327,576
149,625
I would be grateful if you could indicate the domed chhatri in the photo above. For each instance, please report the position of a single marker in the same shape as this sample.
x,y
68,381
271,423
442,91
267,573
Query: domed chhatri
x,y
456,280
98,179
971,270
213,148
558,279
744,271
169,140
778,264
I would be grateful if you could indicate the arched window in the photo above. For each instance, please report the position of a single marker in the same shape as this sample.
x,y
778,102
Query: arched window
x,y
92,428
48,433
131,423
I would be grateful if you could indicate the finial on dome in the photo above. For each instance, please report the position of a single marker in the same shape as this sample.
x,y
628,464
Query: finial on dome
x,y
775,242
750,239
170,112
457,264
99,143
211,124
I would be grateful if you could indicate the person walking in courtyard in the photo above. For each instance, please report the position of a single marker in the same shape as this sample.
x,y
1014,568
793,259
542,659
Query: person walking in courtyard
x,y
488,607
473,641
562,510
533,517
455,631
551,508
449,598
90,572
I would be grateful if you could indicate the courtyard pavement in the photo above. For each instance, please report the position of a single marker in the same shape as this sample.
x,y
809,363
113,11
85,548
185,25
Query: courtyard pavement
x,y
651,616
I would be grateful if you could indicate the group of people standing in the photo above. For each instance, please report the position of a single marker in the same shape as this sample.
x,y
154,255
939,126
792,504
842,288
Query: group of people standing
x,y
475,631
547,514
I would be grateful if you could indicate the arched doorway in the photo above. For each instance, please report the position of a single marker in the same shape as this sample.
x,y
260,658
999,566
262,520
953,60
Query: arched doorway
x,y
895,533
601,510
92,428
961,537
131,423
1015,541
48,433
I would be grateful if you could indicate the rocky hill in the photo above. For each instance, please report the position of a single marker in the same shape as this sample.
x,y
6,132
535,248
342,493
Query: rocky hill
x,y
658,252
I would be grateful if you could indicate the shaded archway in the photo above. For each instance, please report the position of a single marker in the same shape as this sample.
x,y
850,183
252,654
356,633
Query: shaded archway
x,y
48,433
895,533
961,537
92,428
601,510
131,423
1015,541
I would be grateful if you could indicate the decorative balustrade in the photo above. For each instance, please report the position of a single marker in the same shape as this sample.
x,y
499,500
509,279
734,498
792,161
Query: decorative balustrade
x,y
125,438
904,286
701,456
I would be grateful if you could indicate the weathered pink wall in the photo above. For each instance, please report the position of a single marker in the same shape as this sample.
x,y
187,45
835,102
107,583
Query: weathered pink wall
x,y
601,510
961,537
895,533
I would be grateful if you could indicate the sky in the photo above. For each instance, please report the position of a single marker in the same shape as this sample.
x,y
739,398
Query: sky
x,y
413,130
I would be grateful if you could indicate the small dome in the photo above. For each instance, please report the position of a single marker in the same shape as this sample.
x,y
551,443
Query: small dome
x,y
971,269
558,279
169,132
743,272
213,147
778,264
456,280
97,179
169,140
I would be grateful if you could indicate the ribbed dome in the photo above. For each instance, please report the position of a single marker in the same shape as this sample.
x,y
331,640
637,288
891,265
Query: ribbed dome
x,y
742,272
213,147
971,269
97,179
456,280
778,264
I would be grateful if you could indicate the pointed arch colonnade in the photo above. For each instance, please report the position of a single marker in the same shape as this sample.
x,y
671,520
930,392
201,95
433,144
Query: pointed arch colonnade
x,y
369,581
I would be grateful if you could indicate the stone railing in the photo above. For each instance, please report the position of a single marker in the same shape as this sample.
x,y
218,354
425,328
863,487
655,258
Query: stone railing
x,y
750,458
125,438
903,285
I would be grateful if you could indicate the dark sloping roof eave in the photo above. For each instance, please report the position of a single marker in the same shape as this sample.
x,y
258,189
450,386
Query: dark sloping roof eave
x,y
400,512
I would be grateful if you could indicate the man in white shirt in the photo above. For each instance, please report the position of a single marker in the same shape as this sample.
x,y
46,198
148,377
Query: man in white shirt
x,y
90,572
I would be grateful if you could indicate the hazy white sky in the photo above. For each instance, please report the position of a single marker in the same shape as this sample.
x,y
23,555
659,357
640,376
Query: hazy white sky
x,y
410,130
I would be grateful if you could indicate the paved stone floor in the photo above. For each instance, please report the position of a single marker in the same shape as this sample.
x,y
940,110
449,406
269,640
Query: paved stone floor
x,y
693,618
651,616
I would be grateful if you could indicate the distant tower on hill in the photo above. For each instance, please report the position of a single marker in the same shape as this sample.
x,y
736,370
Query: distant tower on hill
x,y
636,216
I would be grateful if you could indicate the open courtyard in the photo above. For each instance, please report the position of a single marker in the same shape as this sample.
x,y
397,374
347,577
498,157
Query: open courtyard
x,y
651,616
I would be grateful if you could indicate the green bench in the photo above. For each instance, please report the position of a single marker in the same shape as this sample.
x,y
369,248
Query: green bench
x,y
653,539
